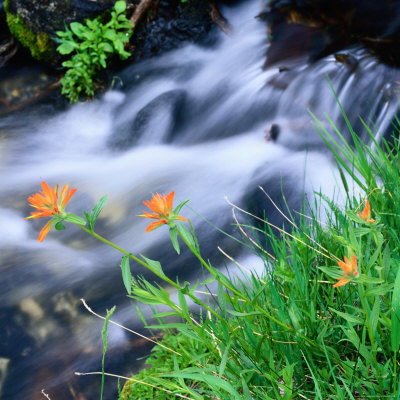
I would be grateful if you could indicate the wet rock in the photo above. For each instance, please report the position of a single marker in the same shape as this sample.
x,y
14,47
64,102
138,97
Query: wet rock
x,y
172,24
272,133
332,26
348,60
155,123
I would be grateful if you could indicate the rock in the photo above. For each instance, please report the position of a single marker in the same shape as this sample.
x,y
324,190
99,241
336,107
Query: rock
x,y
34,23
333,25
153,124
174,23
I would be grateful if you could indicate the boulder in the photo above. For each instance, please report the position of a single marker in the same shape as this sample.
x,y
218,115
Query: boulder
x,y
316,28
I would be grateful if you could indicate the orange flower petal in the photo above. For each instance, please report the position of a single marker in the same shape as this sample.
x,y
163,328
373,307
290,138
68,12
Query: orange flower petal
x,y
149,215
342,282
345,266
169,199
180,218
156,224
161,205
45,230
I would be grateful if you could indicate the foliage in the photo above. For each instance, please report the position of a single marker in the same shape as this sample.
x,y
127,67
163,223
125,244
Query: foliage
x,y
90,45
289,332
160,361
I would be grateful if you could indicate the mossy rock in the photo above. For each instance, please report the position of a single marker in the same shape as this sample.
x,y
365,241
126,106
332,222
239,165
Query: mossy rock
x,y
39,44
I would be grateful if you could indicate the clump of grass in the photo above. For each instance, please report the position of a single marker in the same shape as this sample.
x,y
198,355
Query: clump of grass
x,y
290,333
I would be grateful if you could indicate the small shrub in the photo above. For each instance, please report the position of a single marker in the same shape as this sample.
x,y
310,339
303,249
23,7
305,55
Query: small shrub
x,y
90,45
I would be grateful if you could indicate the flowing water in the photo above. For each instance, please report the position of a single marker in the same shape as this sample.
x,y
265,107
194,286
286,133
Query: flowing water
x,y
193,121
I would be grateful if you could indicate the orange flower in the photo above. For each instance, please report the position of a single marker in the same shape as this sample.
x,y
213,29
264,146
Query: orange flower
x,y
161,205
366,213
47,203
349,271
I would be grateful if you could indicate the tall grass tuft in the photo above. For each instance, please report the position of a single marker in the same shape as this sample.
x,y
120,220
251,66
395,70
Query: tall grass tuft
x,y
289,333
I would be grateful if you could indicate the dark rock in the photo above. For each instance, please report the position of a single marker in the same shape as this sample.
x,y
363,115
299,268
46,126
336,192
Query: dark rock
x,y
348,60
273,133
333,26
172,24
153,124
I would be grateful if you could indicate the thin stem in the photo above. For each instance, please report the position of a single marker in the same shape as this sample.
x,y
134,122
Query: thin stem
x,y
138,260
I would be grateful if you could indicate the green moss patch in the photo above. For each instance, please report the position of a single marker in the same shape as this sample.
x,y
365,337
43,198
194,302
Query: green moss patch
x,y
39,44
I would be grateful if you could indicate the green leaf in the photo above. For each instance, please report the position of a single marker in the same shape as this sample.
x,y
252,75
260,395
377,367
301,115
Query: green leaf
x,y
120,7
111,35
224,359
179,207
107,48
173,234
77,28
374,317
368,279
66,48
166,314
243,314
183,304
155,266
187,236
59,226
395,314
97,210
333,273
221,298
379,290
74,219
348,317
89,36
208,281
126,274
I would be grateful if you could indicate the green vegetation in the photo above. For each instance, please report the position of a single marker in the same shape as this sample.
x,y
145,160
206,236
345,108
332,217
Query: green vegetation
x,y
289,333
322,320
90,45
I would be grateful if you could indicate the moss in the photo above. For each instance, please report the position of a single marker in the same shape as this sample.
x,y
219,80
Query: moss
x,y
39,44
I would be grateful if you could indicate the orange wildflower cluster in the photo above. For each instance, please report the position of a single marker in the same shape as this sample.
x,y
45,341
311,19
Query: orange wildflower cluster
x,y
161,205
366,213
349,269
48,203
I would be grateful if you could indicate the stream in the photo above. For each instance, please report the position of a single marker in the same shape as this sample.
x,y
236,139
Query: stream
x,y
194,120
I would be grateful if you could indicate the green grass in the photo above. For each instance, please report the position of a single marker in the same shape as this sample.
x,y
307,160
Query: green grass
x,y
289,333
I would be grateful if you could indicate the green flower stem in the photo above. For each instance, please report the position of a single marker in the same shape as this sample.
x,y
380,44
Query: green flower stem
x,y
371,336
144,264
138,260
203,262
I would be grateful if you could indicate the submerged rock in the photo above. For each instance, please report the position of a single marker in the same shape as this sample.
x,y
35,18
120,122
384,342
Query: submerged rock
x,y
153,124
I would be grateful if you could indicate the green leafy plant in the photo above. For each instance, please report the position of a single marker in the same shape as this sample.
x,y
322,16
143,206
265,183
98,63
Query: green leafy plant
x,y
90,45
